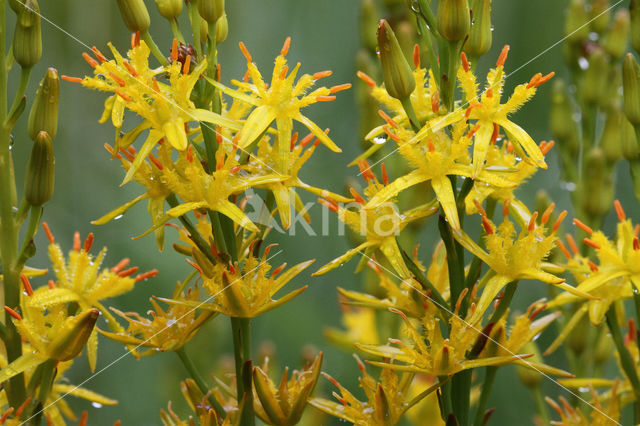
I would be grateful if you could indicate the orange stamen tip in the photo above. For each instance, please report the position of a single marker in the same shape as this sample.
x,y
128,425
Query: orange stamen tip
x,y
76,241
47,231
120,265
13,313
385,176
26,284
306,140
325,98
591,243
322,74
532,221
465,62
156,87
98,54
357,196
123,96
461,297
505,207
146,275
561,217
136,39
435,102
268,249
488,228
51,284
509,147
572,244
416,55
388,119
92,62
547,147
619,211
495,134
503,56
129,68
187,65
582,226
489,93
544,79
479,207
71,79
468,112
174,49
278,269
392,135
24,405
547,213
245,52
190,154
283,73
340,87
128,272
329,205
473,131
534,80
535,313
88,242
84,418
636,244
592,266
364,77
563,249
117,79
286,46
430,145
155,161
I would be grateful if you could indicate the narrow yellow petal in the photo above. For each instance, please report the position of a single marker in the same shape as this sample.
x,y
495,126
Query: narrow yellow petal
x,y
257,122
527,143
442,187
481,142
317,131
234,213
118,211
147,146
394,188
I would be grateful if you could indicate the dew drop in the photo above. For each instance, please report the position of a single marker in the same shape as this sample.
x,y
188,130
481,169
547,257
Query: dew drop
x,y
96,404
583,63
118,217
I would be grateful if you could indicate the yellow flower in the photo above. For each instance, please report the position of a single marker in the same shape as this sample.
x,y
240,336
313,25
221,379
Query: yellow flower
x,y
167,330
280,101
165,108
602,415
378,225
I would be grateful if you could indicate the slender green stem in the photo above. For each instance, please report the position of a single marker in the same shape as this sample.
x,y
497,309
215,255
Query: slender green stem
x,y
487,384
541,406
26,251
46,381
445,397
455,264
426,285
202,385
175,30
241,328
194,17
428,47
505,302
411,114
448,78
428,16
155,51
628,365
25,73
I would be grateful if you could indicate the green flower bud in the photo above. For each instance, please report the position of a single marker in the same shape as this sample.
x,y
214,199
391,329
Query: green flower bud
x,y
204,29
530,378
38,184
563,126
27,38
368,20
597,196
615,42
631,86
634,14
630,147
600,15
169,9
73,336
211,10
16,6
44,111
135,15
611,140
453,19
576,27
397,74
222,29
480,35
596,77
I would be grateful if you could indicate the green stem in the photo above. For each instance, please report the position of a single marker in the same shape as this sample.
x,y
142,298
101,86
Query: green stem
x,y
26,251
175,30
48,375
411,114
202,385
25,73
155,51
445,397
241,328
15,389
428,47
505,302
628,365
487,384
454,263
541,406
448,79
194,17
428,16
193,232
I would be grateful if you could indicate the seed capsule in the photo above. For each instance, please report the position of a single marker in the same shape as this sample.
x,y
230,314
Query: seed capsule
x,y
600,15
135,15
611,140
44,111
27,38
38,185
211,10
596,78
222,29
397,74
480,35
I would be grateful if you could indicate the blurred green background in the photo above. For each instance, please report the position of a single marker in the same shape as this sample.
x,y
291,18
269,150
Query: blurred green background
x,y
325,35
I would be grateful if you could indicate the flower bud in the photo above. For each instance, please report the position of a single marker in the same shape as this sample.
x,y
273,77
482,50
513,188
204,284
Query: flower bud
x,y
397,74
529,377
169,9
600,14
596,77
204,29
634,14
38,185
44,111
222,29
211,10
453,19
615,42
611,139
563,126
576,27
481,34
135,15
16,6
631,86
73,335
368,20
596,196
630,147
27,39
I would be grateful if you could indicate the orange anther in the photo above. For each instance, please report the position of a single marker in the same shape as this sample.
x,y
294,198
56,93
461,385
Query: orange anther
x,y
430,145
123,96
435,102
135,39
632,330
364,77
13,313
156,86
495,134
572,244
130,68
509,147
416,55
636,243
325,98
532,221
76,241
463,293
619,211
146,275
294,140
547,213
357,196
339,87
468,112
544,79
591,243
505,207
503,56
71,79
392,135
306,140
473,131
245,52
120,265
98,54
563,249
535,313
388,119
268,249
26,284
489,93
84,418
88,242
283,73
128,272
235,169
6,415
117,79
547,147
479,207
636,230
90,60
286,46
51,284
245,77
190,154
323,74
385,176
592,266
582,226
465,62
155,161
488,228
47,231
542,145
22,407
561,217
327,204
365,170
278,269
534,80
174,49
187,65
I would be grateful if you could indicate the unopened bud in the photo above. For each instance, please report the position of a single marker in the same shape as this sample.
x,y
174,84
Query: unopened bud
x,y
596,197
27,38
596,77
453,19
406,37
481,34
222,29
169,9
397,74
211,10
204,29
563,126
630,147
615,42
611,140
16,6
600,15
44,111
576,25
634,14
529,377
38,185
368,21
631,86
73,335
135,15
